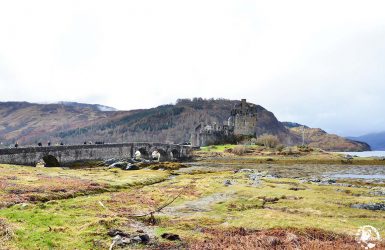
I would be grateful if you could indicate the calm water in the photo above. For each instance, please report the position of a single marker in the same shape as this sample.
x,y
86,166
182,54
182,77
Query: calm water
x,y
358,176
367,153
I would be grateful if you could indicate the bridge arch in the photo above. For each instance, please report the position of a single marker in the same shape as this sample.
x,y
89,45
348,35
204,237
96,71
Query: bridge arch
x,y
50,161
163,153
174,154
144,153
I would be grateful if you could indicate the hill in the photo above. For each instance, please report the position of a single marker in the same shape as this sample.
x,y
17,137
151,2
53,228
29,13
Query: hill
x,y
29,123
375,140
317,138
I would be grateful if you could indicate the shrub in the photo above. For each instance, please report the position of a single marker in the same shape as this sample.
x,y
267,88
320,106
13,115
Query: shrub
x,y
268,140
239,150
253,141
280,147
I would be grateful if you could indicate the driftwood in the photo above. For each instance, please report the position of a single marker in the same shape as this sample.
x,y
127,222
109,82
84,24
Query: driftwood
x,y
152,219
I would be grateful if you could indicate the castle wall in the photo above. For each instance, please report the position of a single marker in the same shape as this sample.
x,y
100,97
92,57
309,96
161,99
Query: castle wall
x,y
245,124
242,121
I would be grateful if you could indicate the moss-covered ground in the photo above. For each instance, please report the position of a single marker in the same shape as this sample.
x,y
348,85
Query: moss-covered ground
x,y
54,208
255,154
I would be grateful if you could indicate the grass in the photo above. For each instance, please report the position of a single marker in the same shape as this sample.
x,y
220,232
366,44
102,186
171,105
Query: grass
x,y
28,184
71,214
224,147
240,238
289,155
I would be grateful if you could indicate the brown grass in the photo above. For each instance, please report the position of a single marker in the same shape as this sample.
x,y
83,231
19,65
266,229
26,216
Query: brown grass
x,y
6,232
239,150
290,239
44,188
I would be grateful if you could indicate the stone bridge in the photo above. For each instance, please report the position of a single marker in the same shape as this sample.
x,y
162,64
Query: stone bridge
x,y
30,156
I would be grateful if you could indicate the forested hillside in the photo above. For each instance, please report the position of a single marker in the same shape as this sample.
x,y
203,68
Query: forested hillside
x,y
73,123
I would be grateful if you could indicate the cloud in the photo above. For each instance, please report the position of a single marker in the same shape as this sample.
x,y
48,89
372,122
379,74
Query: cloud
x,y
320,63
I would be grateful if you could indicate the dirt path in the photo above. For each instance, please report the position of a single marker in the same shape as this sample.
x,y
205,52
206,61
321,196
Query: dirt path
x,y
200,205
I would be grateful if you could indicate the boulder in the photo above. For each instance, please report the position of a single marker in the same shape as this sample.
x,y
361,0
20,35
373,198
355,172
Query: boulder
x,y
110,161
170,236
119,164
123,239
370,206
132,167
114,232
145,238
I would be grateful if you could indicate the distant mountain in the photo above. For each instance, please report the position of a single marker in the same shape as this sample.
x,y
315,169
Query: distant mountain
x,y
375,140
293,125
69,122
84,105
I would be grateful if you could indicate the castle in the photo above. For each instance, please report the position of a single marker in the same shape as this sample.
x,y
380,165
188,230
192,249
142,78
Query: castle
x,y
242,121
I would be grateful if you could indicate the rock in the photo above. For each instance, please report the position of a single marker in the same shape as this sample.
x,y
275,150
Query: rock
x,y
114,232
323,181
132,167
331,181
145,238
296,188
377,191
228,182
132,161
255,178
123,239
246,170
170,236
345,185
23,205
110,161
370,206
136,239
119,164
314,180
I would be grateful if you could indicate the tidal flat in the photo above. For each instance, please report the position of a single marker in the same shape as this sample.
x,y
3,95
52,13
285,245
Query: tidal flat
x,y
208,204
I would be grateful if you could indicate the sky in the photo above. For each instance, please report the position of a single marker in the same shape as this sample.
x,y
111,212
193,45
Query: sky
x,y
319,63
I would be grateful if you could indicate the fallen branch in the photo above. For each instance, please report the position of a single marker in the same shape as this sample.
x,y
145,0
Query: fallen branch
x,y
152,219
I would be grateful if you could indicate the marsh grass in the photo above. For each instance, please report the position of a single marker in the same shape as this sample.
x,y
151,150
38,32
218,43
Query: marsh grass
x,y
82,221
290,239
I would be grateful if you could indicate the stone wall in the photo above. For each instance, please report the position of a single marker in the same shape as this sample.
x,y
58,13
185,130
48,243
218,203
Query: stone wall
x,y
67,154
245,124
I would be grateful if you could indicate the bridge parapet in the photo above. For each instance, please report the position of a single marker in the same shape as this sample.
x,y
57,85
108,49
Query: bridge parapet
x,y
72,153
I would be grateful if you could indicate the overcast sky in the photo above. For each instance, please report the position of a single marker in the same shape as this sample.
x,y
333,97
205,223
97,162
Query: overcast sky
x,y
321,63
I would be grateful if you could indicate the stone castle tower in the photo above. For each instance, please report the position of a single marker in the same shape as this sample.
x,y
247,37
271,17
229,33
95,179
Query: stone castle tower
x,y
242,121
